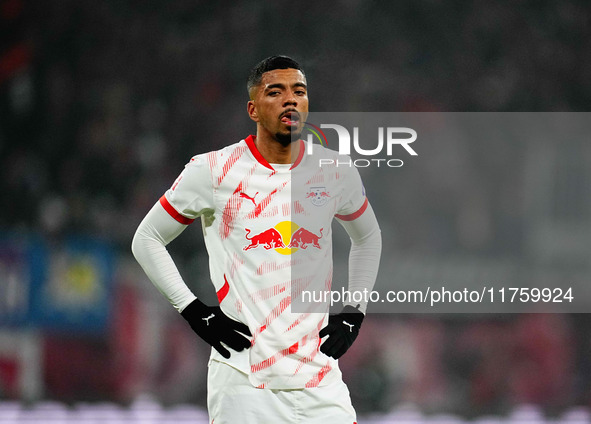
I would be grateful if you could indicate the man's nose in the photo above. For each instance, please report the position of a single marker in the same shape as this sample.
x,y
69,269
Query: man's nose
x,y
290,99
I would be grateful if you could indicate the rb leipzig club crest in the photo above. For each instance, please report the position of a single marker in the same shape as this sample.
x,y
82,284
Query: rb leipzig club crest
x,y
318,195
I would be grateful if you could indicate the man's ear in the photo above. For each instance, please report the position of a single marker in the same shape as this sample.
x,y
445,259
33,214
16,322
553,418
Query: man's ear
x,y
252,112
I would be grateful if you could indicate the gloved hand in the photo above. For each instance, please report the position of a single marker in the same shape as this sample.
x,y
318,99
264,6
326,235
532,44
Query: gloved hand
x,y
342,330
213,326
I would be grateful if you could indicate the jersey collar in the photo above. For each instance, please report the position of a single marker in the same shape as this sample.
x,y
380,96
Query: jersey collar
x,y
259,157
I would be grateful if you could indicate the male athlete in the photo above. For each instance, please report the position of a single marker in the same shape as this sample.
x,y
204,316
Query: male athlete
x,y
266,209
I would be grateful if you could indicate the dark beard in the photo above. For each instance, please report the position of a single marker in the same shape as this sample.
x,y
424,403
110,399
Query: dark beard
x,y
286,139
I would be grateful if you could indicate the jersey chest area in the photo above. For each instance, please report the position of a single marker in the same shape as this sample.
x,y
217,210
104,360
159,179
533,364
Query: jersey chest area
x,y
272,210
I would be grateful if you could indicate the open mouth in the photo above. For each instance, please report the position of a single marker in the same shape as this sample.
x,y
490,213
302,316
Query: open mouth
x,y
290,118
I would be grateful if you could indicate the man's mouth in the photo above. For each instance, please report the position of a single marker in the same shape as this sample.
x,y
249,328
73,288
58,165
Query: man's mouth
x,y
290,118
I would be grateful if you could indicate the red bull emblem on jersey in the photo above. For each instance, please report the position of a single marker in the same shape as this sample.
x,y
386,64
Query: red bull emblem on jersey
x,y
268,239
318,195
285,238
302,238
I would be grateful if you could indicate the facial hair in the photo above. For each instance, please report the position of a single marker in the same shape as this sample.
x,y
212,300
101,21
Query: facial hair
x,y
286,139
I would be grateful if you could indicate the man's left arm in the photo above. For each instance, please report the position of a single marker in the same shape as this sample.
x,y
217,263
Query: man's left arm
x,y
364,259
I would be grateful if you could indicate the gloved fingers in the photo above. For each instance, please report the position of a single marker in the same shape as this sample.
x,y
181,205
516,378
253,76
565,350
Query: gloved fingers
x,y
334,352
236,341
241,327
341,351
329,329
331,345
222,350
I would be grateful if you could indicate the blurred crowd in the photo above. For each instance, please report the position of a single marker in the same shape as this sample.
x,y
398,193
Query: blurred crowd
x,y
102,103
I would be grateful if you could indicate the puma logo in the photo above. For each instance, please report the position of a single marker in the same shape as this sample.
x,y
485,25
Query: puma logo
x,y
246,196
350,326
206,319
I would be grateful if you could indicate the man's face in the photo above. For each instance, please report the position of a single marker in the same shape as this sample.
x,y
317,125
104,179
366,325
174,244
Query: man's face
x,y
279,104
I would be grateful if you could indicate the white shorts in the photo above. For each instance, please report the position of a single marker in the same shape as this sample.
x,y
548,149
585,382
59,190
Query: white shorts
x,y
231,399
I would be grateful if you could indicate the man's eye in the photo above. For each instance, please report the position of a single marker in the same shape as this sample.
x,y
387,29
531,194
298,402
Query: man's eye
x,y
273,93
301,93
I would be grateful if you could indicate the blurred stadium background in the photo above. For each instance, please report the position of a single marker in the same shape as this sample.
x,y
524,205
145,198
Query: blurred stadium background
x,y
101,105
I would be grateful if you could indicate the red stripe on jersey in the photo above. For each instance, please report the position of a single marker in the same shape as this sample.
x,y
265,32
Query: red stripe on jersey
x,y
259,157
295,348
272,266
231,210
255,152
316,340
317,178
234,156
277,310
270,361
268,213
176,183
354,215
237,262
286,209
315,381
223,292
212,160
298,208
269,292
299,319
232,207
265,202
307,359
300,155
300,284
173,212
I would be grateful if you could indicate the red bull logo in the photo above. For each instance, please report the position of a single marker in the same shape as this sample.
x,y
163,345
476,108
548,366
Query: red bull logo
x,y
302,238
286,238
268,239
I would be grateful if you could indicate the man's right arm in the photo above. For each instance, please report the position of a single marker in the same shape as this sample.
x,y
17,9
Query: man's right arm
x,y
156,230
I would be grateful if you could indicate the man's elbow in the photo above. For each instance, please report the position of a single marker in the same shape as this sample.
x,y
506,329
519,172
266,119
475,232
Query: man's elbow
x,y
372,237
136,245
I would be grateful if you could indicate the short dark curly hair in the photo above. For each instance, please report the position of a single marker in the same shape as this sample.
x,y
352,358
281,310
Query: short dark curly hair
x,y
269,64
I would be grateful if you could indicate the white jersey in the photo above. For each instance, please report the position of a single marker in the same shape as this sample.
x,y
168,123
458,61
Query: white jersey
x,y
268,234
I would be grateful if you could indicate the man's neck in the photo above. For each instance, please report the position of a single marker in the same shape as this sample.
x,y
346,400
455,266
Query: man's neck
x,y
275,152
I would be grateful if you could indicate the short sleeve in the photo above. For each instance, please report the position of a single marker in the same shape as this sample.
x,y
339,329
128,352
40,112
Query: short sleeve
x,y
353,200
191,195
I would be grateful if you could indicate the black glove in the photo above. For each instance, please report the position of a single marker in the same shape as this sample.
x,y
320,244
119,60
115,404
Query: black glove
x,y
342,330
213,326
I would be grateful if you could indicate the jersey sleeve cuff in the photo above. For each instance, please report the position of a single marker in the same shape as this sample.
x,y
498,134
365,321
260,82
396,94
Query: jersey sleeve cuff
x,y
173,212
354,215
